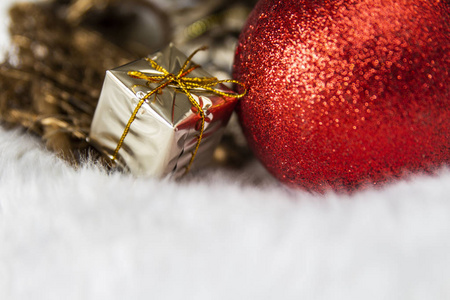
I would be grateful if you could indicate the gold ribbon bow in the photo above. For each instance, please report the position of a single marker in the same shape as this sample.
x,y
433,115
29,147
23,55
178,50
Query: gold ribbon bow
x,y
185,84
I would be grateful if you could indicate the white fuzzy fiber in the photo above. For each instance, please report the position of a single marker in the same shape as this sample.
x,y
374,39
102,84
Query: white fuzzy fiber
x,y
84,234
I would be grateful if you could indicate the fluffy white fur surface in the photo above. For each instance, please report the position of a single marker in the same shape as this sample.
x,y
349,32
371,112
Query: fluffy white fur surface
x,y
85,234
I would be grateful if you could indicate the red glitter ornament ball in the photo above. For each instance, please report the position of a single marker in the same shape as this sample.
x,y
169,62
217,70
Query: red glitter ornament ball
x,y
346,93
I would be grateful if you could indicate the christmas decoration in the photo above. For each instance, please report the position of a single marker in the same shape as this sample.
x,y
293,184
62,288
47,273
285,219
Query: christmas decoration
x,y
52,83
52,80
346,94
156,114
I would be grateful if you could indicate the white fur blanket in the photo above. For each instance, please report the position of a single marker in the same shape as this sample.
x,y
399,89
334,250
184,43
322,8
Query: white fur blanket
x,y
84,234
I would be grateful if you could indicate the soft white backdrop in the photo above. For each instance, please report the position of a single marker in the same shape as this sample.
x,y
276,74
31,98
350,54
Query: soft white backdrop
x,y
83,234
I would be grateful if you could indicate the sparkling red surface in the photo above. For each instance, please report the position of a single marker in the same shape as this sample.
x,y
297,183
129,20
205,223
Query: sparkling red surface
x,y
346,94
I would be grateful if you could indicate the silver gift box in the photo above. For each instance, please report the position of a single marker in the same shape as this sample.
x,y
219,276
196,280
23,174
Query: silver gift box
x,y
164,134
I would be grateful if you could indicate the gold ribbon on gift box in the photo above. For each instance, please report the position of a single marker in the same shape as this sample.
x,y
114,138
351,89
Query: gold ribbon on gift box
x,y
179,80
